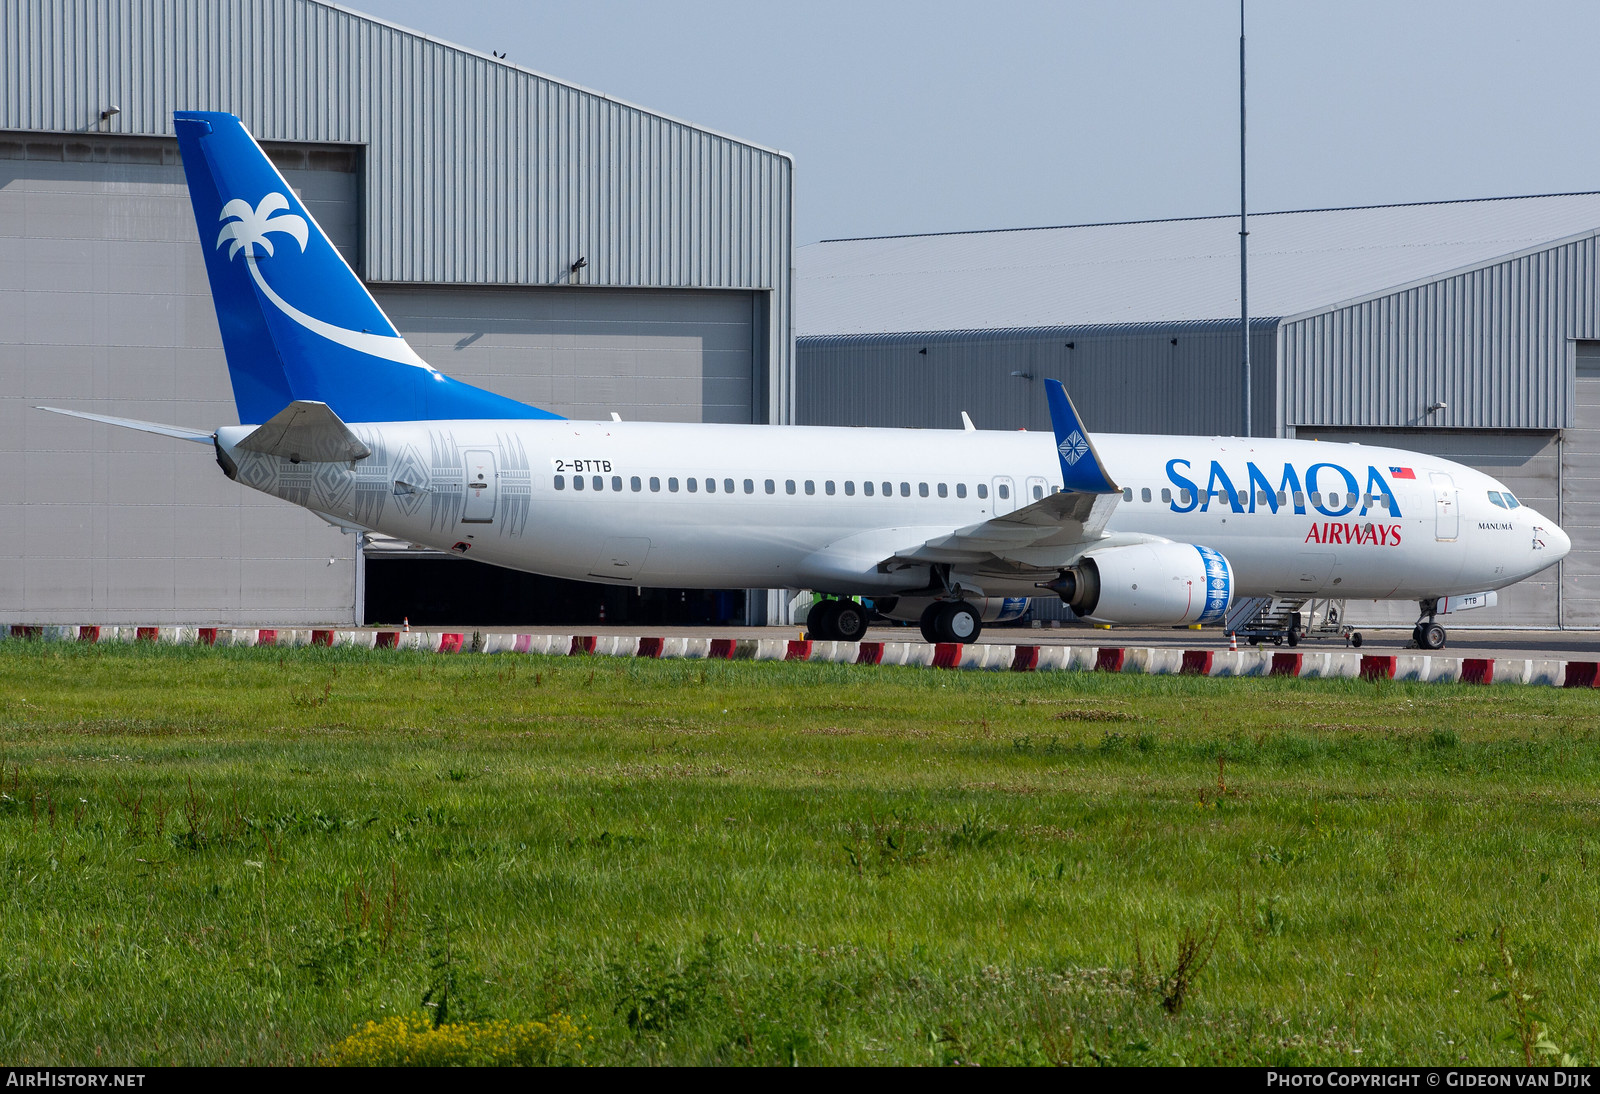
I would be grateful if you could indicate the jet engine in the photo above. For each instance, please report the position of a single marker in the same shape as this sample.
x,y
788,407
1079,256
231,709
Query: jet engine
x,y
1153,583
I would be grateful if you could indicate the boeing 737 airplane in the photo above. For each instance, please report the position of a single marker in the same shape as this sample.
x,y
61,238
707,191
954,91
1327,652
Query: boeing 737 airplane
x,y
948,528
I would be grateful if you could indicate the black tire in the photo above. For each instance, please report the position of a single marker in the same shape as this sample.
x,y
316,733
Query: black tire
x,y
930,623
1277,640
1431,636
822,625
1355,640
1254,640
850,622
958,622
1294,637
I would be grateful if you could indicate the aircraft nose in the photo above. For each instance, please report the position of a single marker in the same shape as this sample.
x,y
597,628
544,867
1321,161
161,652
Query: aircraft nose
x,y
1557,542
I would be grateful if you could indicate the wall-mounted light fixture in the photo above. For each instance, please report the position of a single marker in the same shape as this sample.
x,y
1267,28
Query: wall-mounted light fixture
x,y
1174,341
578,265
1440,405
1023,375
109,112
923,351
1072,345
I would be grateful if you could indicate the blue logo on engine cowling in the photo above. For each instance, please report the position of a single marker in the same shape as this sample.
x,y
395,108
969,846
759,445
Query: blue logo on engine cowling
x,y
1219,586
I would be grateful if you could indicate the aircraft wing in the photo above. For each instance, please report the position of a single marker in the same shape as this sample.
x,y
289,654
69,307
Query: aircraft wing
x,y
1047,534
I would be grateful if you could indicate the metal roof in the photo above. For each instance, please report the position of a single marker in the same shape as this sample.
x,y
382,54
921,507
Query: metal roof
x,y
1163,270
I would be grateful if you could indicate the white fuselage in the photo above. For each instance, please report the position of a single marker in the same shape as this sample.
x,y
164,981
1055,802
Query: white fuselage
x,y
628,503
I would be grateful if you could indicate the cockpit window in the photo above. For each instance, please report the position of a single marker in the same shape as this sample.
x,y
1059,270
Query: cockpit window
x,y
1511,502
1496,499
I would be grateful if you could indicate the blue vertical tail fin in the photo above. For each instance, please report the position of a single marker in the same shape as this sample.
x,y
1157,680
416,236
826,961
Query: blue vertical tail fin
x,y
297,324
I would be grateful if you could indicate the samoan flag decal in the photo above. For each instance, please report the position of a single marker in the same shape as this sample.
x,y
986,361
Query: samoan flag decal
x,y
1401,472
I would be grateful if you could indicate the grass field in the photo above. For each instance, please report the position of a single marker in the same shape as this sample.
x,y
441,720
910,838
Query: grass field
x,y
237,856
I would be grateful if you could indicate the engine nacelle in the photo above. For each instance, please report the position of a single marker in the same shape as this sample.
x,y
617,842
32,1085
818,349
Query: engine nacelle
x,y
1155,583
991,609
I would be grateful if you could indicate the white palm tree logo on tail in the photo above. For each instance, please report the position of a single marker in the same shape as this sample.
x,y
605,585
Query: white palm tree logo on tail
x,y
251,229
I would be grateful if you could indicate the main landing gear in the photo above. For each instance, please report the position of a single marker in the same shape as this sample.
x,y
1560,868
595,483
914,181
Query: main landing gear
x,y
1427,634
951,621
836,621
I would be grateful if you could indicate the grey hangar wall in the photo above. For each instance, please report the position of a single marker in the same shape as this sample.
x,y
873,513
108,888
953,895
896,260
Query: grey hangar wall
x,y
460,187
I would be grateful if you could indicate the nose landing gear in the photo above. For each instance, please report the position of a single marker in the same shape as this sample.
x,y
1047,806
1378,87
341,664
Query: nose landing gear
x,y
1427,634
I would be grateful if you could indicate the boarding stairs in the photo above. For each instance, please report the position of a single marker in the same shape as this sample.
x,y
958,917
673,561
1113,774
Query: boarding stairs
x,y
1274,618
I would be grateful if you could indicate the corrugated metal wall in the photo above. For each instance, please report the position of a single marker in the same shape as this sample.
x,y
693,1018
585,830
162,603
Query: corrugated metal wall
x,y
478,172
1149,378
1492,342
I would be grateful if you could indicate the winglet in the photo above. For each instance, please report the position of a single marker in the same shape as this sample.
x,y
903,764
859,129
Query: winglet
x,y
1081,469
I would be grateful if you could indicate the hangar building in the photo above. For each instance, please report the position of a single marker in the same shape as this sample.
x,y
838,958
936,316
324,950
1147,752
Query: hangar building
x,y
1466,329
535,238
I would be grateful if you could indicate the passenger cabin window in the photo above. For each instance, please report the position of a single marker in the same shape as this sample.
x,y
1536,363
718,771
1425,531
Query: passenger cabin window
x,y
1184,496
692,483
1166,495
561,482
1299,500
1263,498
811,486
866,488
905,490
922,489
616,483
1038,493
827,488
1004,491
727,486
772,487
1283,497
1144,495
672,485
849,488
577,482
1316,498
655,484
749,486
788,486
944,491
636,484
711,486
961,489
599,483
1127,493
983,490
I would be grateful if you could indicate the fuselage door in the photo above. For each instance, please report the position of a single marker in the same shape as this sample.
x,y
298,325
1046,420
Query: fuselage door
x,y
1447,518
483,486
1005,494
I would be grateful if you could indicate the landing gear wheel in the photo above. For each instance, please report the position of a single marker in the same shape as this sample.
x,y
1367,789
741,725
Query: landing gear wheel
x,y
1355,640
849,621
822,625
958,622
1294,635
930,623
1430,636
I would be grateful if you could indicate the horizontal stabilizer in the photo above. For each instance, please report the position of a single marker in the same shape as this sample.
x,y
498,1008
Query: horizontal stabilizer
x,y
199,436
307,432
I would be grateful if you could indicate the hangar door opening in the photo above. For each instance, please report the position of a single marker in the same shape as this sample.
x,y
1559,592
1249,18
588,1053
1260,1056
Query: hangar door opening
x,y
662,355
1580,503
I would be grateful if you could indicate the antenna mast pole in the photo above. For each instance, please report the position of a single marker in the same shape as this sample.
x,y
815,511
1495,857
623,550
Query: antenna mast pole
x,y
1244,237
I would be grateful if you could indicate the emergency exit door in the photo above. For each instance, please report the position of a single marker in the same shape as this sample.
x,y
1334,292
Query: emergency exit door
x,y
483,486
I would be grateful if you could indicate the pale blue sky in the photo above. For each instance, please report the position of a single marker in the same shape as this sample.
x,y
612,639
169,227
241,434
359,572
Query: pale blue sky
x,y
935,117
